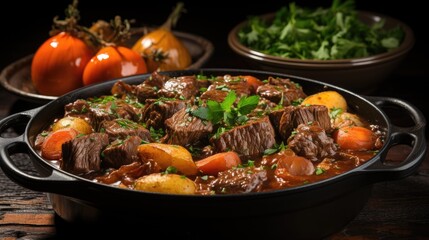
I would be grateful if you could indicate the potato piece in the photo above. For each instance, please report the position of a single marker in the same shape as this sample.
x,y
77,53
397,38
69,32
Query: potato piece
x,y
165,183
169,155
347,119
76,123
331,99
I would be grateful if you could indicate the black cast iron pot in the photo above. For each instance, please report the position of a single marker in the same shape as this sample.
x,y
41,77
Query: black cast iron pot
x,y
311,211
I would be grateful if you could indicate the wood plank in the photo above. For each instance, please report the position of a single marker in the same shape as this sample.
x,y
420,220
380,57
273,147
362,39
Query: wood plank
x,y
35,218
13,232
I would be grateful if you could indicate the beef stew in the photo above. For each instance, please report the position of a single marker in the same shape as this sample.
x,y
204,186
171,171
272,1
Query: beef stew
x,y
210,135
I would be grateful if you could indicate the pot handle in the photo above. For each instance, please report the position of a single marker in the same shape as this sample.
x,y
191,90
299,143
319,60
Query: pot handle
x,y
13,145
413,136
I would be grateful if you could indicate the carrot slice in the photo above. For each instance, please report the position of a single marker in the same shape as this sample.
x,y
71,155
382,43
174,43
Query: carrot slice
x,y
51,147
218,162
253,82
355,138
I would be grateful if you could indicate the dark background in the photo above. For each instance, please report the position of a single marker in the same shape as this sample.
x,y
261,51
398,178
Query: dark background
x,y
27,26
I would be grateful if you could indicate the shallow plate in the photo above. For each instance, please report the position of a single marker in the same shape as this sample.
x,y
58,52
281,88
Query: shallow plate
x,y
16,77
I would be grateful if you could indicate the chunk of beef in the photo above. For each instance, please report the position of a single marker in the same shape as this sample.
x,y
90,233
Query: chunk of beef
x,y
186,130
104,108
150,87
145,91
123,128
292,116
157,111
122,152
282,91
121,89
81,109
214,94
81,155
239,180
237,84
265,106
184,87
203,83
311,142
112,110
275,117
127,174
219,89
248,140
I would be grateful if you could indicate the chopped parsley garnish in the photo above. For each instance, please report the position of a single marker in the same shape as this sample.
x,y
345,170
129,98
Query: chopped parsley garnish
x,y
321,33
226,112
297,102
335,112
126,123
156,134
44,134
104,99
170,169
201,77
319,171
275,148
160,101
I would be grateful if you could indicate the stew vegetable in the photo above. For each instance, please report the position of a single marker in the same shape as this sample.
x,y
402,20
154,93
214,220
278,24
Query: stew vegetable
x,y
209,135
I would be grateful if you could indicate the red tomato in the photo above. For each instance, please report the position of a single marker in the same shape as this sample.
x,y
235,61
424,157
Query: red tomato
x,y
58,64
355,138
113,62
